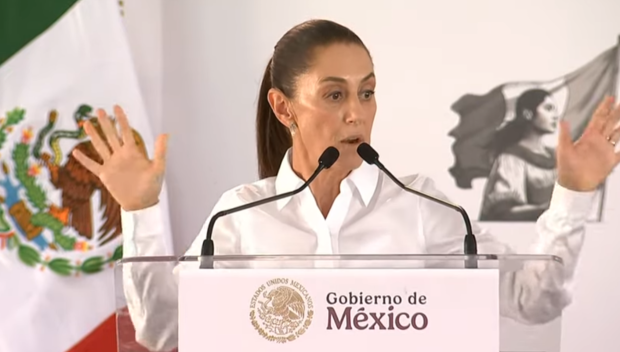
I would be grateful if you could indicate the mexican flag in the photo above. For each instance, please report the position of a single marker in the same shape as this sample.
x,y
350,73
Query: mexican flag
x,y
60,230
576,94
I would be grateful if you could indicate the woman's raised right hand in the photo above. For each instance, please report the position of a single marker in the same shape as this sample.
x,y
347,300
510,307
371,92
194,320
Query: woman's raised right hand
x,y
129,175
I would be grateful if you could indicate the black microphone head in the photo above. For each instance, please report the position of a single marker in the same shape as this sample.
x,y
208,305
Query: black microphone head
x,y
329,157
367,153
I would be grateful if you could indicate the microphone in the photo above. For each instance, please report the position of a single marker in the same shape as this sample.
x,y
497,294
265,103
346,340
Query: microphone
x,y
327,159
369,155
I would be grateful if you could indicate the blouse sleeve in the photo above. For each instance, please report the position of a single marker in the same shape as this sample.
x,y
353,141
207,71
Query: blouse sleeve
x,y
151,289
538,291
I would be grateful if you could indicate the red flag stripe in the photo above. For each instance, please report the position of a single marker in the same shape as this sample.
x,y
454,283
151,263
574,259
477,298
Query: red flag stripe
x,y
104,337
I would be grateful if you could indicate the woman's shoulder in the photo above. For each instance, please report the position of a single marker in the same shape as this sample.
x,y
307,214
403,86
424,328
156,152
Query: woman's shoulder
x,y
505,159
430,186
421,182
522,155
415,180
247,192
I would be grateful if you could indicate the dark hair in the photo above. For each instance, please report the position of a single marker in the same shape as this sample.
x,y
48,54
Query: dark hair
x,y
515,130
292,56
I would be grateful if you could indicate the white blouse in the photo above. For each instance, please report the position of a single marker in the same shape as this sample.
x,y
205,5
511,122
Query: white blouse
x,y
371,215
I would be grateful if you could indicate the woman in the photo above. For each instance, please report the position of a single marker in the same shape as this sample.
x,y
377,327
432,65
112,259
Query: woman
x,y
318,91
523,175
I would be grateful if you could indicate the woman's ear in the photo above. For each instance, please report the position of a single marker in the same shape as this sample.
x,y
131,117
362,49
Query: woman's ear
x,y
280,106
528,114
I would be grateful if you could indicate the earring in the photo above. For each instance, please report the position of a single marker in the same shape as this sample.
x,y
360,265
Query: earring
x,y
293,128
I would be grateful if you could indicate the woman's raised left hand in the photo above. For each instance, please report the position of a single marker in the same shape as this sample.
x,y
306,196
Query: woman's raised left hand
x,y
584,164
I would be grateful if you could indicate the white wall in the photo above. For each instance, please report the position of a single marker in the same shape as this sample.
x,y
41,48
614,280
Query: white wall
x,y
144,21
200,64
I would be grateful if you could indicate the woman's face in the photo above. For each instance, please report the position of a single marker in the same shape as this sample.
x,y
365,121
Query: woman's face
x,y
334,104
546,116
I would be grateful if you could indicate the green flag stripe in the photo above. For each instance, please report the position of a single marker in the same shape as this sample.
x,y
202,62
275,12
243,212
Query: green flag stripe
x,y
21,21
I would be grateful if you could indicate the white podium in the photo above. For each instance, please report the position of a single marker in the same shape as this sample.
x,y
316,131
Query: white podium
x,y
429,303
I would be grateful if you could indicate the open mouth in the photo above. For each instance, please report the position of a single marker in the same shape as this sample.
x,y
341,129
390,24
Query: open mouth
x,y
352,140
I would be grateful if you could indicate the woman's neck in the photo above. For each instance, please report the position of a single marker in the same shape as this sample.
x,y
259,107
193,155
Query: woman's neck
x,y
534,142
325,187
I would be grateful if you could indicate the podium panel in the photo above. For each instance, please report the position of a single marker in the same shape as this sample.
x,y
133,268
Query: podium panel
x,y
363,302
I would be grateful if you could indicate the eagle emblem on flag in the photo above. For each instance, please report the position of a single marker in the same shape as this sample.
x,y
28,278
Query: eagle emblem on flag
x,y
47,213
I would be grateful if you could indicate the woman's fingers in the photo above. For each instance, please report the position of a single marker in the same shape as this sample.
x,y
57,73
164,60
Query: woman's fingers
x,y
100,146
601,114
88,163
126,130
161,146
109,131
612,121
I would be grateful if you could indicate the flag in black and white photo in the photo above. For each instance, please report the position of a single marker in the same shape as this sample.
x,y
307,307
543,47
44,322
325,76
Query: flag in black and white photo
x,y
497,131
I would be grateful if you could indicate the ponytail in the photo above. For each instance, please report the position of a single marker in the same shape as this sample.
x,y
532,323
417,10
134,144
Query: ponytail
x,y
272,137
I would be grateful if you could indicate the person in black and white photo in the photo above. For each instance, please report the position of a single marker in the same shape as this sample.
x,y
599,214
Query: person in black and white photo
x,y
523,174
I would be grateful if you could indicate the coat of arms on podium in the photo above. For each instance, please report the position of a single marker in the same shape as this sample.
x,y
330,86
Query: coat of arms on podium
x,y
281,310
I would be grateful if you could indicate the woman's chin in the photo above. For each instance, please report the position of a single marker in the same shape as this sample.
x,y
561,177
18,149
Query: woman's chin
x,y
349,161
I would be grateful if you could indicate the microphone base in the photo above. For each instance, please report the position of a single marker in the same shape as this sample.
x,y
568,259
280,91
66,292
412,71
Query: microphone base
x,y
206,254
206,262
471,250
471,262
